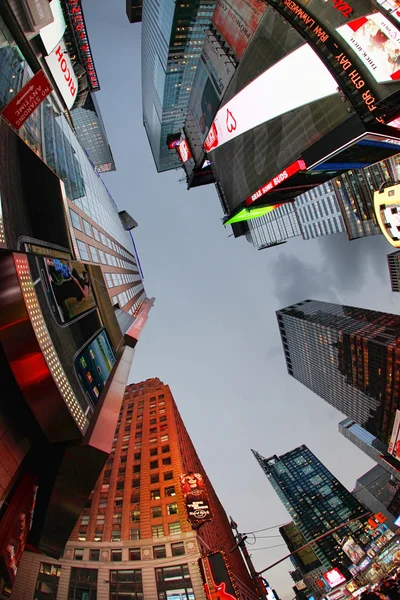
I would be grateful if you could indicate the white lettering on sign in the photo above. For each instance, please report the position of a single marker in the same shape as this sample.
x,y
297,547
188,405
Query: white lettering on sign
x,y
62,71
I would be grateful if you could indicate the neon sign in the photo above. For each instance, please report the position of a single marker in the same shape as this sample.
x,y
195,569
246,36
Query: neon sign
x,y
298,165
77,22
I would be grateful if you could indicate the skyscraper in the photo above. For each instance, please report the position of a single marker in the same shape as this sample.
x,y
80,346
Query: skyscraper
x,y
348,356
379,491
316,501
134,534
394,270
172,40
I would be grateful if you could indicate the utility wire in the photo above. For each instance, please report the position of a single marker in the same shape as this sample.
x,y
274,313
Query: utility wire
x,y
264,537
265,529
268,547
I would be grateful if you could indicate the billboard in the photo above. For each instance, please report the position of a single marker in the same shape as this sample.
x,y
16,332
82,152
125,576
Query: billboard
x,y
132,335
353,550
387,211
213,74
334,577
392,7
184,150
52,33
298,165
196,498
237,20
394,444
216,579
61,68
271,95
377,44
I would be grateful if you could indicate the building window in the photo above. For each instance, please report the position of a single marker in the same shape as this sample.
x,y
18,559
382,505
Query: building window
x,y
154,464
116,535
135,498
134,554
120,485
135,483
135,515
164,438
171,580
134,534
155,495
153,451
96,234
166,461
76,220
159,552
82,536
175,528
157,531
172,509
153,430
156,511
170,491
126,584
136,469
94,555
136,456
47,581
82,250
153,440
116,555
168,475
78,554
87,227
85,519
155,478
93,254
165,449
178,549
118,502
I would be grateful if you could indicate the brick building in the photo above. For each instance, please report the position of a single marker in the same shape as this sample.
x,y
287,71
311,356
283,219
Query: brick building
x,y
133,539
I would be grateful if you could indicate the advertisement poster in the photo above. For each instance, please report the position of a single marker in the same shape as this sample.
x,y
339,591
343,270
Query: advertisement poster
x,y
334,577
392,7
272,94
377,43
93,365
220,68
237,20
394,444
196,498
68,288
353,550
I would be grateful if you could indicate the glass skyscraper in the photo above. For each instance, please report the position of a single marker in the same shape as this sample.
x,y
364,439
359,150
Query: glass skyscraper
x,y
380,493
172,41
348,356
316,501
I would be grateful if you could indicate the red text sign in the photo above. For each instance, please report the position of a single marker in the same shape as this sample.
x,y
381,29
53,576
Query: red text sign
x,y
298,165
27,100
78,25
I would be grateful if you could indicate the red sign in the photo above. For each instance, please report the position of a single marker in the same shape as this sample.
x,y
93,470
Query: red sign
x,y
184,151
334,577
298,165
196,498
132,335
216,579
78,25
20,108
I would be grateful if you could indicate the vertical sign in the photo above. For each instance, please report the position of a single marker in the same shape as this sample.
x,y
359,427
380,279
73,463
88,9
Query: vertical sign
x,y
217,581
196,498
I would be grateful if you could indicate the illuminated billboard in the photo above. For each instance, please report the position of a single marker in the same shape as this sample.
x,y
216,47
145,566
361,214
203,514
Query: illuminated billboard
x,y
387,211
213,73
394,444
353,550
271,95
246,214
377,44
217,581
52,33
195,496
184,150
334,577
237,20
62,70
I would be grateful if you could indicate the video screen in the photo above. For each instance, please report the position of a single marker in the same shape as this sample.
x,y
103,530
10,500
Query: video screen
x,y
93,365
68,288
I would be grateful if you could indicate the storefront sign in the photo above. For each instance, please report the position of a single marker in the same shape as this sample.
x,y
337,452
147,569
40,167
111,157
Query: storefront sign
x,y
79,28
196,498
298,165
27,100
62,70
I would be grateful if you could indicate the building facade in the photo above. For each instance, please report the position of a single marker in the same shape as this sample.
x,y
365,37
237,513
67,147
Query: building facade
x,y
172,41
348,356
394,270
319,212
134,533
315,500
379,491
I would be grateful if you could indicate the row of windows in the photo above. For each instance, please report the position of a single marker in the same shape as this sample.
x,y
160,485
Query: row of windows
x,y
105,258
160,551
173,528
99,236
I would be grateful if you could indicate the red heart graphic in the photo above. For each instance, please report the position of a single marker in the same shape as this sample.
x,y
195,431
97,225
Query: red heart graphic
x,y
230,121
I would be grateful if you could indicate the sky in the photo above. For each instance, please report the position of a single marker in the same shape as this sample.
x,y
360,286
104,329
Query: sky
x,y
212,334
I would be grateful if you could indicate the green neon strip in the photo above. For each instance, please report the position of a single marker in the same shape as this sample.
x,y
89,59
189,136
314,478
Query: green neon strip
x,y
246,214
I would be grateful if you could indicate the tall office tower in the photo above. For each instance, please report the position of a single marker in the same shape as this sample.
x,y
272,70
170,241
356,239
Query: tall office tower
x,y
380,493
394,270
370,445
172,40
315,500
91,134
305,561
319,212
275,227
134,534
348,356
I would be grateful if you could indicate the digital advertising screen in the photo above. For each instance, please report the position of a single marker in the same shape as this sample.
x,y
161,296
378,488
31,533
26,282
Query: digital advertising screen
x,y
237,20
67,287
353,550
387,212
93,365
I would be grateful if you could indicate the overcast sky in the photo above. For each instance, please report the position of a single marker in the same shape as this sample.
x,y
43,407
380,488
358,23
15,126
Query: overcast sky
x,y
212,334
